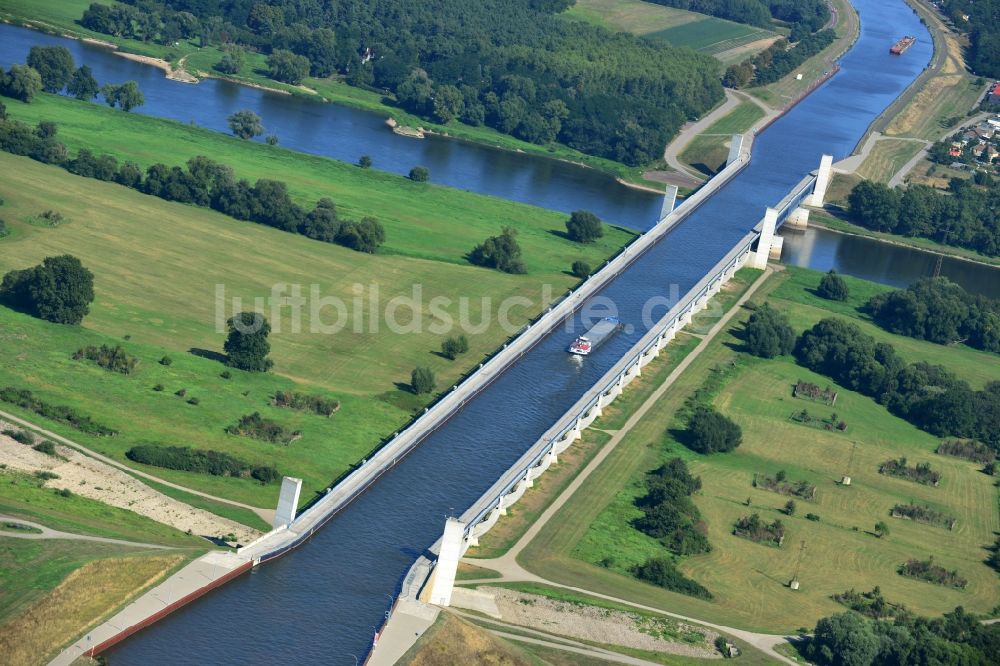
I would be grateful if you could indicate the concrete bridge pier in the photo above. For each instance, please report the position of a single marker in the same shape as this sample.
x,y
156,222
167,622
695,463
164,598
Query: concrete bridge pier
x,y
822,182
669,201
447,562
288,502
798,218
735,148
766,238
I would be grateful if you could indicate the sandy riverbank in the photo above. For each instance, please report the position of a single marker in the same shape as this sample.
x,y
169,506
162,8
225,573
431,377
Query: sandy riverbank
x,y
179,74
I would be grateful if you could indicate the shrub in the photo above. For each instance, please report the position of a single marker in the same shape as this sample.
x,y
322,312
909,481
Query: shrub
x,y
753,528
180,393
581,269
257,427
967,450
813,517
226,374
46,447
422,380
64,492
158,388
45,475
870,604
309,403
113,359
708,431
584,227
420,174
922,514
26,399
926,570
789,508
500,252
781,485
669,513
4,229
922,473
21,436
195,460
661,572
454,346
166,360
833,287
365,162
193,401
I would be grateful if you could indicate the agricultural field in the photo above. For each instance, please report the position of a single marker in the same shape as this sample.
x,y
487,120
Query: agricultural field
x,y
591,544
51,589
726,40
157,265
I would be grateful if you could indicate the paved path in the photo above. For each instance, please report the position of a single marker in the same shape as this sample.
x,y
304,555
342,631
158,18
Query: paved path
x,y
508,566
691,130
48,533
266,514
897,178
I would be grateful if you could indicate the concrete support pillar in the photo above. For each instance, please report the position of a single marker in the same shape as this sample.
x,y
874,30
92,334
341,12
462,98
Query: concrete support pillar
x,y
447,563
735,148
669,201
798,218
822,182
776,245
288,502
766,237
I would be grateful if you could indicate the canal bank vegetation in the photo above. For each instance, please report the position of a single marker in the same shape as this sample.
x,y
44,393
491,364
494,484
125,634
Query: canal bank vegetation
x,y
55,588
748,582
156,265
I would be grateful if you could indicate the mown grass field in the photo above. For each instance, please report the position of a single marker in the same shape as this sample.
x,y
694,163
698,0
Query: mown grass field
x,y
886,158
50,590
708,151
157,265
679,27
749,580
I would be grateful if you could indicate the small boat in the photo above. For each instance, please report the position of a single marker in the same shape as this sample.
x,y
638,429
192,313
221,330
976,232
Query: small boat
x,y
597,334
900,47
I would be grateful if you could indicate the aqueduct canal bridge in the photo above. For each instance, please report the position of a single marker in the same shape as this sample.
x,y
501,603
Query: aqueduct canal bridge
x,y
322,603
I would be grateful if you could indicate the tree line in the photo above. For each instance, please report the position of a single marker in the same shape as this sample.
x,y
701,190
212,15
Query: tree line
x,y
204,182
965,216
51,69
983,26
808,15
513,65
777,60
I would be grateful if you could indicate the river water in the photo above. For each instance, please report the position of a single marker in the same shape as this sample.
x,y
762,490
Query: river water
x,y
327,129
321,604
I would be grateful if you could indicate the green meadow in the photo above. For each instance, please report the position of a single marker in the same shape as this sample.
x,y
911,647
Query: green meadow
x,y
592,544
157,266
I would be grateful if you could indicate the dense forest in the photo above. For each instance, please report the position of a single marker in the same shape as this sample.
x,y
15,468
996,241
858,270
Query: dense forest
x,y
510,64
983,26
811,15
967,216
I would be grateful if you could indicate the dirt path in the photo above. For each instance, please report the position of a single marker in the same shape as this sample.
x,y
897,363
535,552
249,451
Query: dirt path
x,y
47,533
266,514
511,570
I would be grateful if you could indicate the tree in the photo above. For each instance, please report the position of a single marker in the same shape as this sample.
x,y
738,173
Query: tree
x,y
833,287
59,290
448,103
22,82
365,162
846,639
126,96
247,346
768,334
419,174
875,205
881,529
500,252
54,64
83,85
364,236
232,60
584,227
287,67
581,269
452,347
708,431
422,380
789,508
245,124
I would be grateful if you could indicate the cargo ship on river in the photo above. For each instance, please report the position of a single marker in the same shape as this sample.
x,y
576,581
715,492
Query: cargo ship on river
x,y
597,334
900,47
